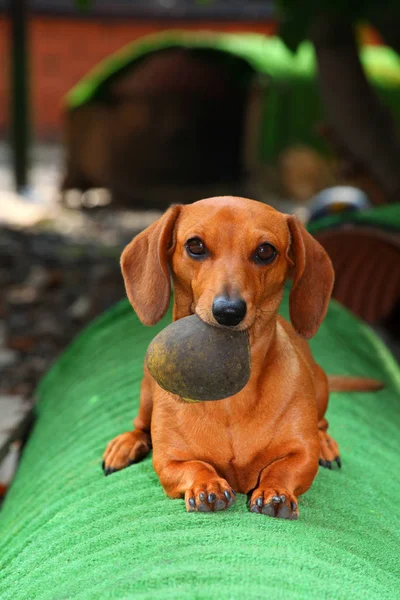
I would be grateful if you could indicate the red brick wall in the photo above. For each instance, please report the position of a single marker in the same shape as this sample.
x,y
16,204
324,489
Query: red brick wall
x,y
64,50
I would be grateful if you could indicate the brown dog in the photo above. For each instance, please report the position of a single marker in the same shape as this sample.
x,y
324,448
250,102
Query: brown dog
x,y
229,259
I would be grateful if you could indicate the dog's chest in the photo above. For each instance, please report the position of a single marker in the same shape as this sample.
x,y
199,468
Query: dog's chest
x,y
230,439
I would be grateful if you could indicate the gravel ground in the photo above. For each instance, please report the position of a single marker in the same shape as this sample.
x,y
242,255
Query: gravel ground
x,y
55,278
59,269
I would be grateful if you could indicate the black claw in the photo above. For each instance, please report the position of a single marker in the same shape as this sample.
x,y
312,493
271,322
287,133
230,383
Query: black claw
x,y
202,496
192,502
211,498
276,499
283,498
227,496
233,492
103,464
321,462
269,510
109,471
338,462
284,512
259,501
328,464
293,505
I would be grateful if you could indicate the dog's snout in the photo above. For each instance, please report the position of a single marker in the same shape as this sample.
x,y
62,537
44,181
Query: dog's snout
x,y
229,311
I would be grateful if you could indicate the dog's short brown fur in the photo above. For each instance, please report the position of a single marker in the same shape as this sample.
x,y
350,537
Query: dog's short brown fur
x,y
267,440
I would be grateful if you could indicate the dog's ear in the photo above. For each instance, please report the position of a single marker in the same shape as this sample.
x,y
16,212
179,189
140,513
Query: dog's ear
x,y
144,264
313,279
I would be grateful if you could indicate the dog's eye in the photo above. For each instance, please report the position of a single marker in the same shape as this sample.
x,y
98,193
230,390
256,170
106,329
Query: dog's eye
x,y
196,247
265,254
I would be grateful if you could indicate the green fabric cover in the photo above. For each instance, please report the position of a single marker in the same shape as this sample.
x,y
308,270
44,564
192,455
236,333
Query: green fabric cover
x,y
386,217
69,532
291,103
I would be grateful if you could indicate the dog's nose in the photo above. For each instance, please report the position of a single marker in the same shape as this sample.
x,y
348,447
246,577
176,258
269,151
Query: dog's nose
x,y
229,311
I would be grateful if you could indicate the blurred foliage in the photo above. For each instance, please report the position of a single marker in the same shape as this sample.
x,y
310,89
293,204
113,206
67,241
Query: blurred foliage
x,y
83,4
295,17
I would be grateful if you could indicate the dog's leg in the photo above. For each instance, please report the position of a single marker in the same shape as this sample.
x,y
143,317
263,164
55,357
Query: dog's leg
x,y
132,446
329,450
282,481
198,483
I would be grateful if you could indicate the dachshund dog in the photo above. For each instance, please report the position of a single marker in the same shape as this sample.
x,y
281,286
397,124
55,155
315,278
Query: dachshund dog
x,y
267,440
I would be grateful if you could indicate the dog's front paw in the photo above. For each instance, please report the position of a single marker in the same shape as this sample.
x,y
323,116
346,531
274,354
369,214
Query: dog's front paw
x,y
274,503
213,496
126,449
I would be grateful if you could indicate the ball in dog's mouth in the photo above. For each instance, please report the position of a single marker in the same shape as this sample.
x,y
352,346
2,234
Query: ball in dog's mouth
x,y
199,362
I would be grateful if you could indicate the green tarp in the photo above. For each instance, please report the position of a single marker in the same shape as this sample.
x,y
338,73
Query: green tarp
x,y
67,532
291,104
386,217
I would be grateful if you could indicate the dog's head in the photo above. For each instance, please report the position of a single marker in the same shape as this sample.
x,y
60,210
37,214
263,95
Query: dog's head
x,y
229,259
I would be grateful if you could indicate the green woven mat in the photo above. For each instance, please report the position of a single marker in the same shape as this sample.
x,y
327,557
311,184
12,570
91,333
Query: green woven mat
x,y
69,532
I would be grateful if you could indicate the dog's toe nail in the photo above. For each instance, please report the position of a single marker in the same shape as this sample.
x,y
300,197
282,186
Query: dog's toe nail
x,y
284,512
268,510
109,471
259,501
328,464
192,502
276,499
338,462
233,492
293,505
202,496
103,464
255,509
321,462
227,496
283,498
211,498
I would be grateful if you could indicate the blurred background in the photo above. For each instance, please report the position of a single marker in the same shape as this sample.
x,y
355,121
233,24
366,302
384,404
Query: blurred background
x,y
112,110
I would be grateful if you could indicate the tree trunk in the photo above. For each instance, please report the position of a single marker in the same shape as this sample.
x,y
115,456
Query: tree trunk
x,y
354,114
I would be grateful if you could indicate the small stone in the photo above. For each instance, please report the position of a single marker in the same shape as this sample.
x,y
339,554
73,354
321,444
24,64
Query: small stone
x,y
80,308
38,365
7,357
48,325
38,277
22,294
